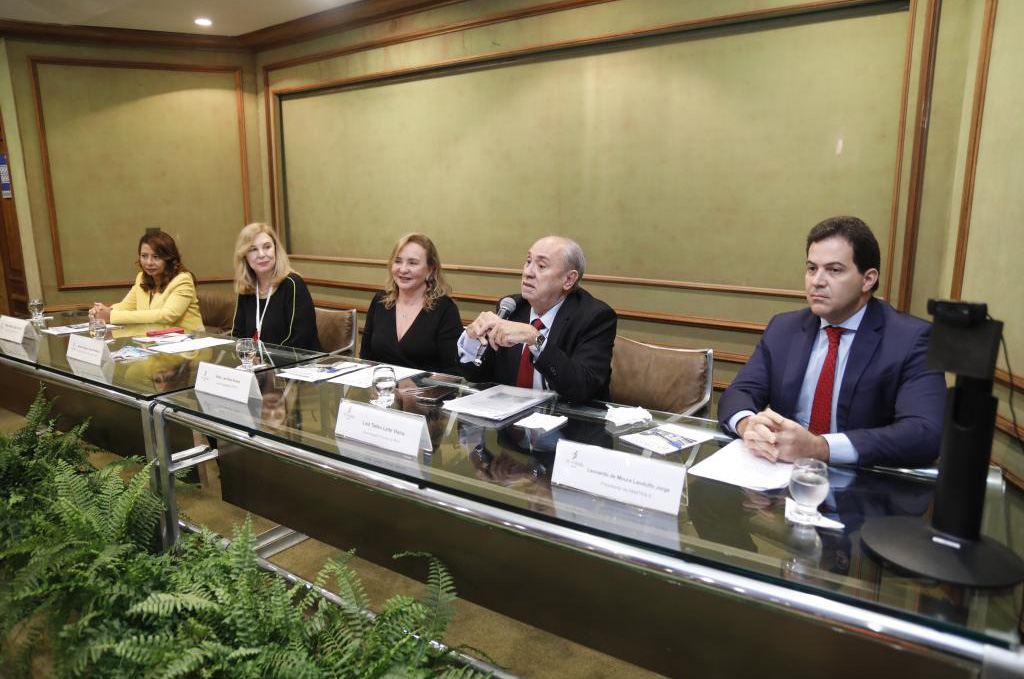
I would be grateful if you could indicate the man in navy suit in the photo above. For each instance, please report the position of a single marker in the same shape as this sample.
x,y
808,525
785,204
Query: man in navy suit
x,y
844,380
559,337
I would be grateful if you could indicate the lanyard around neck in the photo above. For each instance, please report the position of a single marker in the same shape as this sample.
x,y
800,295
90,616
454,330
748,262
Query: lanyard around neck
x,y
259,316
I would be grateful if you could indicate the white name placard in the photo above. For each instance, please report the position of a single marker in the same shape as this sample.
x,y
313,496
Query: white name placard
x,y
16,329
26,351
389,429
91,350
229,383
245,414
643,481
100,372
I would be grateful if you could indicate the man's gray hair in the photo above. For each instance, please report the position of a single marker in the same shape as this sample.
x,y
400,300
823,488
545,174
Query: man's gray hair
x,y
574,259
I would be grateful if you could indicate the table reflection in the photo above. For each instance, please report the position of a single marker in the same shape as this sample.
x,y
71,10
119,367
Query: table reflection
x,y
511,468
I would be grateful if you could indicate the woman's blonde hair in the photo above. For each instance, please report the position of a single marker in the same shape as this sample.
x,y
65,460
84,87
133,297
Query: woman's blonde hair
x,y
245,277
437,287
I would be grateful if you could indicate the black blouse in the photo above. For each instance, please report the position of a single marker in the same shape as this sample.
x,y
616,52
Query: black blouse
x,y
430,343
289,321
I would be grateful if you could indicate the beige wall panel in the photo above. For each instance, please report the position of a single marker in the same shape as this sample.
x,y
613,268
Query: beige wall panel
x,y
34,194
948,131
996,246
727,143
121,160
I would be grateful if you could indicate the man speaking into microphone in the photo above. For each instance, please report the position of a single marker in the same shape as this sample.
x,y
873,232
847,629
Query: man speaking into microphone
x,y
557,337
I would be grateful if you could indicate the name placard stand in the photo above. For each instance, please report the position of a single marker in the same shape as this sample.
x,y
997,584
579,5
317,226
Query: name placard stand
x,y
642,481
16,330
91,350
229,383
389,429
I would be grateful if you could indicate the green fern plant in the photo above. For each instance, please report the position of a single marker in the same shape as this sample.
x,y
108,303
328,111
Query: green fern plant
x,y
80,576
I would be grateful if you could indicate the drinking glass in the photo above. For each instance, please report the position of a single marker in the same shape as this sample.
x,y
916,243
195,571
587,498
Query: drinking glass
x,y
808,485
246,350
384,382
35,307
97,327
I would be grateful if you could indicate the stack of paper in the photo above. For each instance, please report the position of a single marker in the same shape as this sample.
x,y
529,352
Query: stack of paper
x,y
168,338
363,377
67,329
498,403
735,464
320,372
191,345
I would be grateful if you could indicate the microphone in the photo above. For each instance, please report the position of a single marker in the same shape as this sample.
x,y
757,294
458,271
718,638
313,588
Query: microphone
x,y
505,307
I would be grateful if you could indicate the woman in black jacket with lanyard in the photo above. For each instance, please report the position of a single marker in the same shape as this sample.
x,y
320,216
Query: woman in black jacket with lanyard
x,y
413,323
273,305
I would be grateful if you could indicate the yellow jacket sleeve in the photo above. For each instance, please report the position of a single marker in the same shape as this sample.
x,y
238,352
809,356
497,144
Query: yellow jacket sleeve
x,y
169,307
130,301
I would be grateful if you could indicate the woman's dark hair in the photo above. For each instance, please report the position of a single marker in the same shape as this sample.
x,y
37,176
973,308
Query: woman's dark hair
x,y
866,253
164,247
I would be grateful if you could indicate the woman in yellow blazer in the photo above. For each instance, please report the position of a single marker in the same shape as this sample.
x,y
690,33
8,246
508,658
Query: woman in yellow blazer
x,y
164,291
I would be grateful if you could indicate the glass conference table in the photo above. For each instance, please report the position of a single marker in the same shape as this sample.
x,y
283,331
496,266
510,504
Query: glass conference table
x,y
713,590
115,396
136,380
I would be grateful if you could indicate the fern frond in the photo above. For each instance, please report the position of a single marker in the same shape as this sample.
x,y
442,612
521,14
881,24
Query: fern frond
x,y
163,604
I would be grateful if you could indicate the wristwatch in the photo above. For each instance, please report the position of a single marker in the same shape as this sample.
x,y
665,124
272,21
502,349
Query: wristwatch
x,y
540,342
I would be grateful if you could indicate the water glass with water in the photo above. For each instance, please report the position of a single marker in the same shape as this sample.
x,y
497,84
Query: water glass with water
x,y
35,307
384,382
246,350
97,327
808,485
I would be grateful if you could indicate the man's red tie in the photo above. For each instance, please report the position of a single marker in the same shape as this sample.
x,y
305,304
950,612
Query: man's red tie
x,y
821,409
524,378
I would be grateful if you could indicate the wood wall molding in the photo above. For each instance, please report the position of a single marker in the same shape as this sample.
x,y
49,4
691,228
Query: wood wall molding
x,y
66,307
490,20
305,28
590,277
973,142
35,62
673,319
1006,426
894,211
918,154
723,356
128,284
336,19
31,30
272,123
1003,378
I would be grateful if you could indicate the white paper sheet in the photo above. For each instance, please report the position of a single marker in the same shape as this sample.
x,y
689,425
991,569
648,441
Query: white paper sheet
x,y
191,345
735,464
364,378
315,374
67,329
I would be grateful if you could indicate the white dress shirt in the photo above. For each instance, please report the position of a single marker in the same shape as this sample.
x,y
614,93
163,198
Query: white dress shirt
x,y
468,346
840,449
